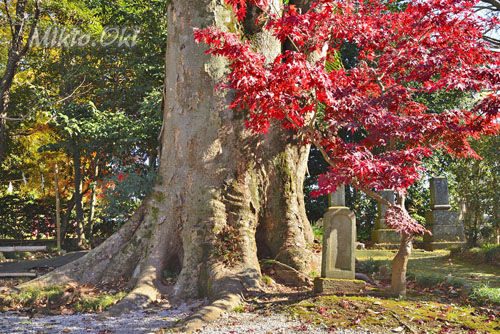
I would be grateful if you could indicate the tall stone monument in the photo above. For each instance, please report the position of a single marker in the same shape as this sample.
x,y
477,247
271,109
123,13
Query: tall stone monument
x,y
447,231
384,237
339,245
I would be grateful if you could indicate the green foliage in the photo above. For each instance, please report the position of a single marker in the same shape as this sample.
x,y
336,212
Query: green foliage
x,y
429,280
370,266
239,309
128,185
487,253
101,103
267,280
483,294
318,232
22,217
477,191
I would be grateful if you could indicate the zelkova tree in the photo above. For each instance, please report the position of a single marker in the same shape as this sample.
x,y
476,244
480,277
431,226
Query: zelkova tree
x,y
423,48
227,196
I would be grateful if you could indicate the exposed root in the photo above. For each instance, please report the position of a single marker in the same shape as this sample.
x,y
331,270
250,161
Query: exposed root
x,y
143,294
95,266
287,274
225,303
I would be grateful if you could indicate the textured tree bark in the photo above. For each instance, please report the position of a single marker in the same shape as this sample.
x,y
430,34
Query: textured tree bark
x,y
220,184
399,266
400,261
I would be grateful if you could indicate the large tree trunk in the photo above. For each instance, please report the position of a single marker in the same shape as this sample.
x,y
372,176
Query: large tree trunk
x,y
220,185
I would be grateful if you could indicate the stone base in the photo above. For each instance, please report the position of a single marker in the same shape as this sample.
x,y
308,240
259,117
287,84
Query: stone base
x,y
431,246
386,246
386,236
336,286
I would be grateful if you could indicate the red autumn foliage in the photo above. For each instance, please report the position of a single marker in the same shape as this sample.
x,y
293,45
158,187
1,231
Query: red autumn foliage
x,y
430,46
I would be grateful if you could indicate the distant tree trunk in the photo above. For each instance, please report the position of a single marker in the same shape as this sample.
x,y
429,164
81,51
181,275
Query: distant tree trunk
x,y
66,219
90,223
77,164
220,184
17,23
58,207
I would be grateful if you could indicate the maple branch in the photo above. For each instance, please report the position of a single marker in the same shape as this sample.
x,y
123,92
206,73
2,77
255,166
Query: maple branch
x,y
480,8
494,41
309,133
494,3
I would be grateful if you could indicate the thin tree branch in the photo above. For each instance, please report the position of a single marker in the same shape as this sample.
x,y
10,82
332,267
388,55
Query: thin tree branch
x,y
494,3
33,28
7,118
11,25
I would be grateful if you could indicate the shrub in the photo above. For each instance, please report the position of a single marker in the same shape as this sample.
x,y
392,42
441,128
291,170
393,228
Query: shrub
x,y
429,280
487,253
486,295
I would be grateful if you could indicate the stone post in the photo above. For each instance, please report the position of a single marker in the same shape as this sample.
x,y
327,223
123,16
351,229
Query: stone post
x,y
447,231
382,236
339,245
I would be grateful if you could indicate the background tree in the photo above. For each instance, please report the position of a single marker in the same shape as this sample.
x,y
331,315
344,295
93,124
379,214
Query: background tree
x,y
21,25
58,77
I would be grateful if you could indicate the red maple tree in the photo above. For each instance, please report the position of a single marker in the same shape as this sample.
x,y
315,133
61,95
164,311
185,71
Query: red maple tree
x,y
429,46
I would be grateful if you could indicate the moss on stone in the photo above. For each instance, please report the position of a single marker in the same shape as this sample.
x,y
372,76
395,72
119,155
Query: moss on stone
x,y
159,196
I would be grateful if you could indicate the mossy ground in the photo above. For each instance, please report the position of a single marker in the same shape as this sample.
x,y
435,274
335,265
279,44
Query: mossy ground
x,y
385,315
437,301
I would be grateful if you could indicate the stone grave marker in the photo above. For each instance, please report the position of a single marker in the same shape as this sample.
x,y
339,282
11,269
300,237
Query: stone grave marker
x,y
447,231
339,245
382,236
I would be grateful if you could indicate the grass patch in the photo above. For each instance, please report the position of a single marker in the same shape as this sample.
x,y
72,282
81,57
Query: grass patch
x,y
487,253
437,263
59,299
28,298
99,303
267,280
318,232
239,309
483,294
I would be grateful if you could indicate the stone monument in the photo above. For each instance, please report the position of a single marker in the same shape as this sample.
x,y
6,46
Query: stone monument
x,y
382,236
339,244
447,231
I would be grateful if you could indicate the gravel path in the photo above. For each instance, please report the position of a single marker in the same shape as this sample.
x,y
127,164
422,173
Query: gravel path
x,y
152,320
